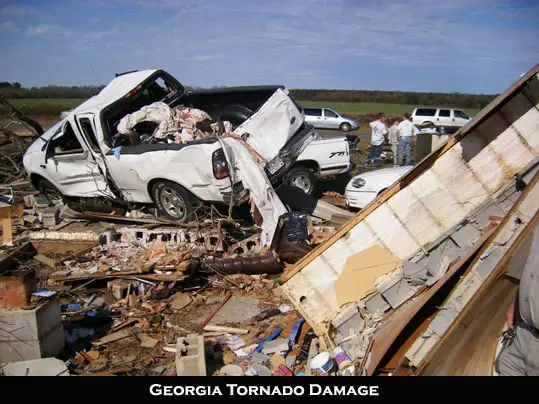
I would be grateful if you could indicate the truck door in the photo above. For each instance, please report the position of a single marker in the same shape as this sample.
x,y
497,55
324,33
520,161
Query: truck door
x,y
70,164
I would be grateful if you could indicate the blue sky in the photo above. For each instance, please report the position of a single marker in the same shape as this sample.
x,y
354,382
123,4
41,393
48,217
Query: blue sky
x,y
469,46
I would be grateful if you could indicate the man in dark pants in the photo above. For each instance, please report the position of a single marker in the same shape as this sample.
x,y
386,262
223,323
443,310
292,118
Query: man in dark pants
x,y
521,357
377,139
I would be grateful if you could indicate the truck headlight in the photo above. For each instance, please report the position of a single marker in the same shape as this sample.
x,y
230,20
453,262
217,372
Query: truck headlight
x,y
358,182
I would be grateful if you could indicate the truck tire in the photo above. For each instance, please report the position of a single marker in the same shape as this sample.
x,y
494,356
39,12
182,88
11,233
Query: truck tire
x,y
303,178
345,127
235,114
173,202
50,192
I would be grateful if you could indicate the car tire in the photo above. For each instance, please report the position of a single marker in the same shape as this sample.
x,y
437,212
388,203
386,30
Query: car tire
x,y
302,178
50,192
345,127
173,202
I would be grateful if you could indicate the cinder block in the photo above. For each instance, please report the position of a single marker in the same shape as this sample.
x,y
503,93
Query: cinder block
x,y
376,302
190,356
443,320
466,236
49,345
31,334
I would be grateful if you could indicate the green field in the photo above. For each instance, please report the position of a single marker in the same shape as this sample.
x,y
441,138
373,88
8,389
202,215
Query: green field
x,y
44,106
356,109
54,106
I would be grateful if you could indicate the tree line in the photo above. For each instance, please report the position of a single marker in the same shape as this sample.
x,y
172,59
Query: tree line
x,y
475,101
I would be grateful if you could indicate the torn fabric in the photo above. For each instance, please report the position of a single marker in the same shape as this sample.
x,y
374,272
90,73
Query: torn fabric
x,y
181,123
255,180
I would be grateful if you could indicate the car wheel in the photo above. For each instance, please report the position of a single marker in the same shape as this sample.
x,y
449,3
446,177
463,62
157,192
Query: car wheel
x,y
302,178
345,127
50,192
173,201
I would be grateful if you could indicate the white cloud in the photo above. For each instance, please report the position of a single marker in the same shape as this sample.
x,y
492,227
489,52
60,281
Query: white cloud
x,y
7,26
44,29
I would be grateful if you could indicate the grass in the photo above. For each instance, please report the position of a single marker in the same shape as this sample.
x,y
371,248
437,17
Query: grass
x,y
44,106
54,106
355,109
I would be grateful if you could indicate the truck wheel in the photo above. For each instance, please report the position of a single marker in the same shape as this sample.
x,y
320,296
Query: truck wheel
x,y
345,127
173,201
236,114
50,192
302,178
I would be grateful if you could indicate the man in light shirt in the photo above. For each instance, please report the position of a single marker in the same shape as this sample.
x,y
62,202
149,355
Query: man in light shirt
x,y
405,131
377,138
394,139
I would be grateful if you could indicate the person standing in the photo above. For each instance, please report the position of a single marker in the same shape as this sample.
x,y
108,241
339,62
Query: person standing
x,y
394,139
377,139
521,356
405,131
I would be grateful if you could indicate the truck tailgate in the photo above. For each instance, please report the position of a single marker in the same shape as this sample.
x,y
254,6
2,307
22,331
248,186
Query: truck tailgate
x,y
272,125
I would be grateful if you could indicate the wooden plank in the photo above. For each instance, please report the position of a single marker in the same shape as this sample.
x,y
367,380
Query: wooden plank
x,y
46,260
24,251
419,169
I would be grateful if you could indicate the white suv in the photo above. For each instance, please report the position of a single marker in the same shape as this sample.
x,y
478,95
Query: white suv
x,y
451,119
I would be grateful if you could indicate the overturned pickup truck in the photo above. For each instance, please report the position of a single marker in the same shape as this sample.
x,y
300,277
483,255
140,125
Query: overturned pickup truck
x,y
145,139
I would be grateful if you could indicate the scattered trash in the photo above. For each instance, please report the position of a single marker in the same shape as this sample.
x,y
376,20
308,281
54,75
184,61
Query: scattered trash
x,y
322,363
232,370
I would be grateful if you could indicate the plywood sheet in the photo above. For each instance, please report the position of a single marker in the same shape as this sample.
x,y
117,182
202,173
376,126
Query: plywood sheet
x,y
361,271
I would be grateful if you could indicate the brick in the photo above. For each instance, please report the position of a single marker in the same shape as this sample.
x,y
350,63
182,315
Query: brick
x,y
17,287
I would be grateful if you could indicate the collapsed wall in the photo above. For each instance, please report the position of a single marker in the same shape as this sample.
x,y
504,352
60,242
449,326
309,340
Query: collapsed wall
x,y
444,199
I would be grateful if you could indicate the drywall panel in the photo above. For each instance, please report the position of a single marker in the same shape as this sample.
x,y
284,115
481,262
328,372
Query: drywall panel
x,y
412,213
390,230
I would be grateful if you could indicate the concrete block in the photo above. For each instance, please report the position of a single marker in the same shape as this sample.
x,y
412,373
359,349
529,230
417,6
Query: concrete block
x,y
482,218
190,356
466,236
443,320
487,264
275,346
36,367
376,302
395,289
49,345
421,347
465,290
31,334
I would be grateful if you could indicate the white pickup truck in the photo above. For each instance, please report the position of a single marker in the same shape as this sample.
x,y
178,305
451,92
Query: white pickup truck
x,y
323,157
85,156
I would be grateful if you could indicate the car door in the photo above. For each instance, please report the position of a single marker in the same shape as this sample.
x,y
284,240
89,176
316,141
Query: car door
x,y
313,116
443,118
460,118
331,119
71,166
